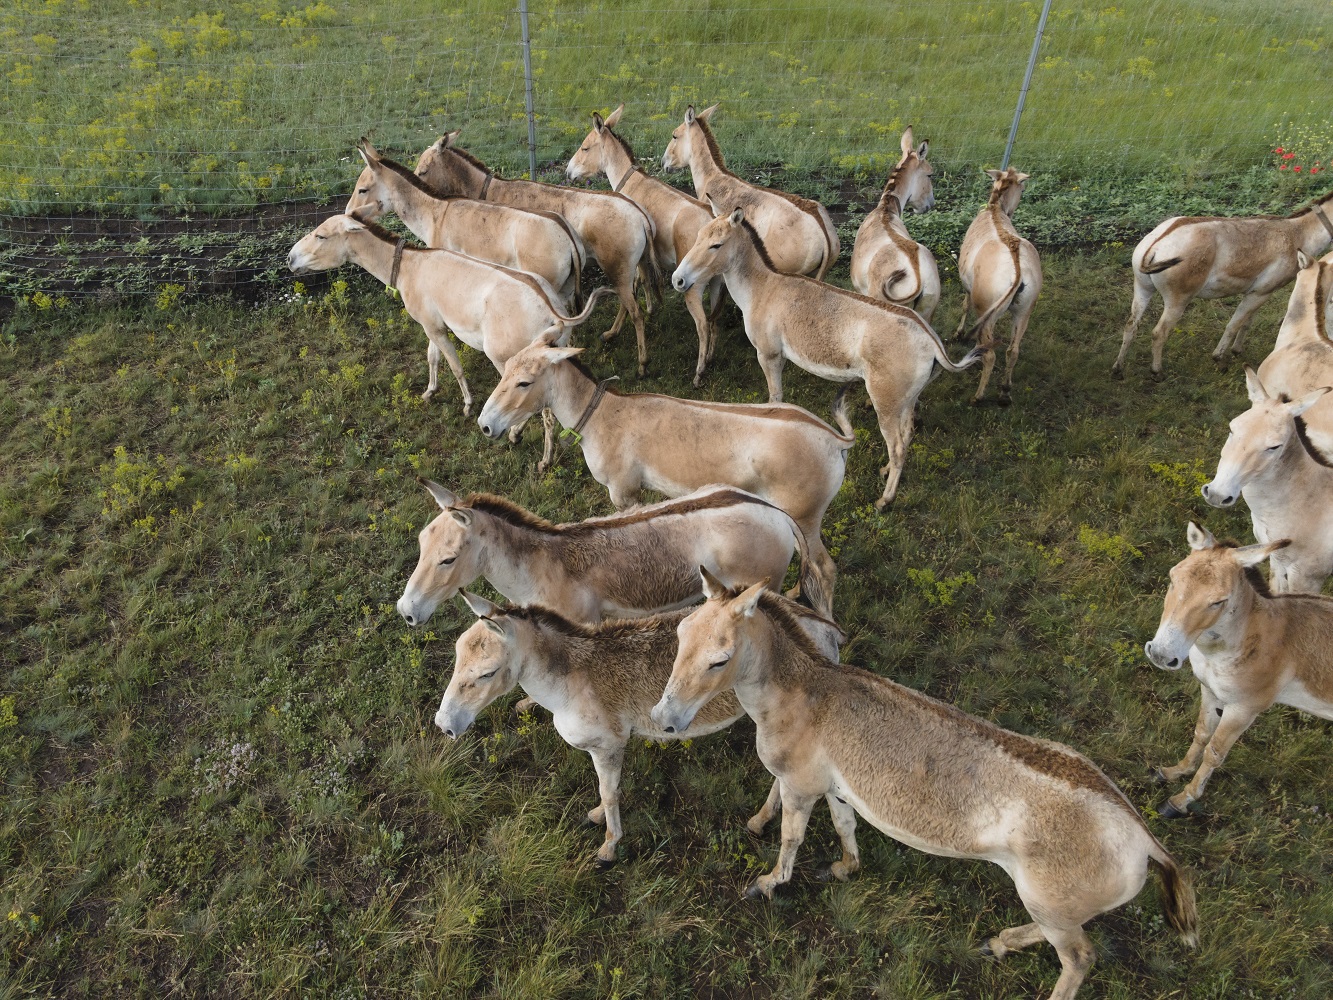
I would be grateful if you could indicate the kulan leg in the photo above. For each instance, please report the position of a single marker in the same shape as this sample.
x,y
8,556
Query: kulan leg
x,y
772,367
1173,307
1076,958
1143,289
895,424
1210,712
1239,324
844,821
548,442
440,344
622,279
962,320
986,341
715,303
1013,939
1235,720
608,765
795,816
1011,355
694,302
771,807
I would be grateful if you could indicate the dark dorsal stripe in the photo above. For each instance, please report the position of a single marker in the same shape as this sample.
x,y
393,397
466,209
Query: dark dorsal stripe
x,y
467,157
512,514
622,142
614,628
382,234
758,243
713,150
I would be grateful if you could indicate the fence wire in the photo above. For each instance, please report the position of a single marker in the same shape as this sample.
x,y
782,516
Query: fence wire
x,y
144,142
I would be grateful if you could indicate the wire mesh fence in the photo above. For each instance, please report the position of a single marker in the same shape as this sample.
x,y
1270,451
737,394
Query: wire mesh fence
x,y
145,141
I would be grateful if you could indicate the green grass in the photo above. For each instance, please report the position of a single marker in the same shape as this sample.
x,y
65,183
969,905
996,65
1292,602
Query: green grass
x,y
143,108
220,773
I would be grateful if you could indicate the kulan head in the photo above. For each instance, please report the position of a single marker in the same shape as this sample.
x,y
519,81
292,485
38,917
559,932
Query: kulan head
x,y
370,198
488,660
678,151
713,251
451,557
525,385
325,247
442,168
589,160
1259,438
912,176
714,650
1207,587
1007,188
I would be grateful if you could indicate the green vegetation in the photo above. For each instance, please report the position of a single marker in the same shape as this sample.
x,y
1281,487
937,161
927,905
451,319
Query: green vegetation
x,y
130,107
220,773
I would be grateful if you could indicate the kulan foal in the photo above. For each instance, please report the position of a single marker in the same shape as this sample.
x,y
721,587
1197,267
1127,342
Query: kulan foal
x,y
597,681
1249,649
924,773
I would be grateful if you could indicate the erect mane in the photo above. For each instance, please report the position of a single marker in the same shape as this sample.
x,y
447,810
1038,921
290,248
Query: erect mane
x,y
758,244
624,143
711,143
891,184
778,610
583,370
465,155
379,232
542,616
1302,432
417,182
1318,202
509,512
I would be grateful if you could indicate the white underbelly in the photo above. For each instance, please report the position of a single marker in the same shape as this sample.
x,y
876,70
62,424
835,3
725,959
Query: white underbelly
x,y
886,827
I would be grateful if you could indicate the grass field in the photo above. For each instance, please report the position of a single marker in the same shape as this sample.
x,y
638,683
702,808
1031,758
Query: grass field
x,y
129,107
220,773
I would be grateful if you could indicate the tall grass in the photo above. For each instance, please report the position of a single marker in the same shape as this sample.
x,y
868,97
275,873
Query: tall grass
x,y
140,107
220,776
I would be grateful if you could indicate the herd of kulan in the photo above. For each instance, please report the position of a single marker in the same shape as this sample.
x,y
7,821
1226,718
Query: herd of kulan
x,y
603,628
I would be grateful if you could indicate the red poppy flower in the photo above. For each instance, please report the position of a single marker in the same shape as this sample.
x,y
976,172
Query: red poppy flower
x,y
1282,167
1288,156
1296,169
1278,150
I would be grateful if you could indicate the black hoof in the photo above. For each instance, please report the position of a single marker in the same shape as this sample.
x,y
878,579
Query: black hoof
x,y
1118,374
1158,776
1004,399
754,892
1167,811
1157,378
825,875
602,866
986,950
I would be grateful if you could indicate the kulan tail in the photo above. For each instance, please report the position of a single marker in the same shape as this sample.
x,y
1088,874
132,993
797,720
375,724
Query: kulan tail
x,y
999,307
841,418
1181,910
1157,266
652,270
568,322
902,300
578,279
812,589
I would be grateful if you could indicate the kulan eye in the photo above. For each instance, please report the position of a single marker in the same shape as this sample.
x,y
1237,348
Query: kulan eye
x,y
719,663
1217,604
486,676
524,385
449,561
716,246
1273,447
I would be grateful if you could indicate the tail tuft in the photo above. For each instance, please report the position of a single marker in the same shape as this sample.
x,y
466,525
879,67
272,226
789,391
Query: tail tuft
x,y
1178,894
971,357
840,416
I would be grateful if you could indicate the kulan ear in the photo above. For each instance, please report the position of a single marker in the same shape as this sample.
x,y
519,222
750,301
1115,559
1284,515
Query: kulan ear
x,y
494,626
368,152
712,205
555,355
462,516
445,498
714,589
1255,388
737,216
924,149
689,114
598,123
481,607
706,113
1307,401
1022,178
449,138
748,599
1199,538
613,119
1253,555
992,174
1302,261
907,141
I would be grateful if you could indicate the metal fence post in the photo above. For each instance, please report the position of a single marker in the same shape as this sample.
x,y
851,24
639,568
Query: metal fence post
x,y
527,76
1027,81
